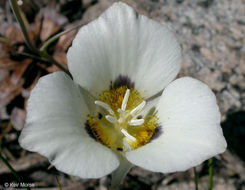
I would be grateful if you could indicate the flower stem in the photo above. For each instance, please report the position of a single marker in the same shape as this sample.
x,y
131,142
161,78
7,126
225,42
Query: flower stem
x,y
57,180
52,39
42,54
210,165
52,60
119,174
27,55
17,14
195,178
11,169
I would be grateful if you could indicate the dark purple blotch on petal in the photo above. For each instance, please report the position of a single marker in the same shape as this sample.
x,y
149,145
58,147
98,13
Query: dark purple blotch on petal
x,y
157,133
122,81
89,131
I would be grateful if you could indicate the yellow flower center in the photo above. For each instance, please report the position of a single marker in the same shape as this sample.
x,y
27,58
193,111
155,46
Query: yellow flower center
x,y
119,124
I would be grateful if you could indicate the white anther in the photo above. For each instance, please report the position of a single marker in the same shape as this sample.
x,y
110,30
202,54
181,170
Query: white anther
x,y
126,134
125,100
105,106
138,108
126,145
136,122
111,119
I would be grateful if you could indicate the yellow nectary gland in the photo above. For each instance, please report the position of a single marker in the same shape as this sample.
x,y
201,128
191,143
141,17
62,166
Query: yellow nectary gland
x,y
110,133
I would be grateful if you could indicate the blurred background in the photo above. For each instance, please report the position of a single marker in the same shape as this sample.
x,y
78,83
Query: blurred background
x,y
211,33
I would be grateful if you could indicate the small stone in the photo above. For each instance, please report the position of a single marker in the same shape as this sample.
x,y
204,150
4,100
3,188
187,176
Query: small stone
x,y
242,50
207,53
242,68
10,137
94,11
18,118
228,101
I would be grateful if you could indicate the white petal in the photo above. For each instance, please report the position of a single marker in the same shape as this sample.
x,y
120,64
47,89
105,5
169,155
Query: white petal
x,y
56,115
120,42
191,132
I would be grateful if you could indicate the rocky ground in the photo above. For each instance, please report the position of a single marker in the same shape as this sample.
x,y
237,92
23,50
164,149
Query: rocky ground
x,y
211,33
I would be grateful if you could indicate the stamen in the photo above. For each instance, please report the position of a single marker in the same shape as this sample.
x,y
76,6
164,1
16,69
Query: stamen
x,y
126,134
126,145
138,108
136,122
105,106
111,119
125,100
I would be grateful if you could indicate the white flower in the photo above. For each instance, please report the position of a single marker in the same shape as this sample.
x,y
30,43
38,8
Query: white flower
x,y
114,107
